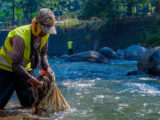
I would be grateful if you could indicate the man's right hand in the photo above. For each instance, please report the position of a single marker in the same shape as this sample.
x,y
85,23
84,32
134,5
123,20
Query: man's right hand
x,y
35,82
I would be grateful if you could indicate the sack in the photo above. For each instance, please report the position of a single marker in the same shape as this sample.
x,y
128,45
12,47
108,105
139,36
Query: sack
x,y
52,99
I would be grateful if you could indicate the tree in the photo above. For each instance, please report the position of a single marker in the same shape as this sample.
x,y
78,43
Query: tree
x,y
27,9
13,6
30,6
64,6
99,8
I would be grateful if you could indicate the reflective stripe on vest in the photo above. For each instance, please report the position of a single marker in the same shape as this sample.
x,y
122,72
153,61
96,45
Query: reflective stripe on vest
x,y
3,61
6,51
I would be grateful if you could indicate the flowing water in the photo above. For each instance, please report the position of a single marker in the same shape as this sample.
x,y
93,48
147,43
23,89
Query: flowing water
x,y
100,92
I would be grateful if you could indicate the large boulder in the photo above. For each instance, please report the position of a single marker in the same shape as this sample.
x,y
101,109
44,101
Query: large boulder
x,y
134,52
149,62
107,52
89,56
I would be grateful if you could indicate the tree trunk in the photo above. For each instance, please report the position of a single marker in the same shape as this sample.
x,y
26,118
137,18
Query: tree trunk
x,y
143,9
51,5
30,8
151,9
130,5
13,7
25,14
159,6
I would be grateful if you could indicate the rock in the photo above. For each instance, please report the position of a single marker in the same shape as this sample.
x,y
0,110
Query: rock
x,y
107,52
120,54
149,62
143,61
132,73
89,56
134,52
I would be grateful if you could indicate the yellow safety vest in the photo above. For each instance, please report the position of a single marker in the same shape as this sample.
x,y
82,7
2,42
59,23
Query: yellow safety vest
x,y
6,50
70,44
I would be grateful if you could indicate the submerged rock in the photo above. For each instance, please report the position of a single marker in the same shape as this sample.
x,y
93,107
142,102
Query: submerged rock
x,y
134,52
132,73
89,56
149,62
107,52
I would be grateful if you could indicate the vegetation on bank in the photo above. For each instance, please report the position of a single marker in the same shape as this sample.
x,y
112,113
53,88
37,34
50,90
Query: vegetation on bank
x,y
101,16
111,11
152,35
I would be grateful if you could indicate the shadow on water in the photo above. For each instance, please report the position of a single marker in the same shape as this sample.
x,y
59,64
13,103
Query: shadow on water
x,y
100,92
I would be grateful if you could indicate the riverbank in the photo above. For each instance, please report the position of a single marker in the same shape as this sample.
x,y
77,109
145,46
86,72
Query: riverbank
x,y
117,34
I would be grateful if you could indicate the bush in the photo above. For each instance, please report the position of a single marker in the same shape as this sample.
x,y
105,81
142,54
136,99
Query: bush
x,y
68,23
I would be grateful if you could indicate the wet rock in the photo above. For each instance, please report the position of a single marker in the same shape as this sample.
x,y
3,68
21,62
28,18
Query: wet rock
x,y
89,56
132,73
120,54
134,52
149,62
107,52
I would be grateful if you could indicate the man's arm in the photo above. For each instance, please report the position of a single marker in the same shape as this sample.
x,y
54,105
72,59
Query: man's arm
x,y
44,60
17,57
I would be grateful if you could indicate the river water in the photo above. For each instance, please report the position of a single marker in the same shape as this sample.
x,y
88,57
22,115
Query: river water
x,y
100,92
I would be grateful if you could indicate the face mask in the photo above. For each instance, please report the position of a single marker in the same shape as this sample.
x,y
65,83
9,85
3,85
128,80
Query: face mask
x,y
36,29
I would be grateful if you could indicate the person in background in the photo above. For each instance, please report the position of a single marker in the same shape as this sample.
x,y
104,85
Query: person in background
x,y
70,49
18,58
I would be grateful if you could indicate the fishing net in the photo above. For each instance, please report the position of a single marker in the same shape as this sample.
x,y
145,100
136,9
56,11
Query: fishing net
x,y
51,99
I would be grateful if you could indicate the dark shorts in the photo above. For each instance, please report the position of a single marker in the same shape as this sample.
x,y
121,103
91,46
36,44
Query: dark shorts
x,y
9,82
70,51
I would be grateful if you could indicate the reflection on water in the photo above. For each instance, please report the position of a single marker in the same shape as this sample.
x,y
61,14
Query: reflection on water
x,y
100,92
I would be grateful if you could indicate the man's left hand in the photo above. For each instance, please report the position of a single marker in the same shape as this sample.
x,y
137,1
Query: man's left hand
x,y
50,72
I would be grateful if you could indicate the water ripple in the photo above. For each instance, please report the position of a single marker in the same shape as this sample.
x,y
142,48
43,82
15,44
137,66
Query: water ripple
x,y
142,88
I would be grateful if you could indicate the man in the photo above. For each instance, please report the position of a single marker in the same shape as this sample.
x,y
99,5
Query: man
x,y
70,50
18,58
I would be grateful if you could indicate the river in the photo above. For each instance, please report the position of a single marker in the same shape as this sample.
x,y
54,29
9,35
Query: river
x,y
100,92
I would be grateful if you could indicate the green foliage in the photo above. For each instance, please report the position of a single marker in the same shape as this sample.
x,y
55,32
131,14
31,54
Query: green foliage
x,y
5,13
19,16
88,36
96,24
113,9
27,9
68,24
98,8
30,6
151,36
61,7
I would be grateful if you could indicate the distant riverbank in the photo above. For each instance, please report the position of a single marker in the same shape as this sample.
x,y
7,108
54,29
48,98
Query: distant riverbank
x,y
117,34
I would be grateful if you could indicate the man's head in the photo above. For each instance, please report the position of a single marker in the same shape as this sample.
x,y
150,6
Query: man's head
x,y
46,20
